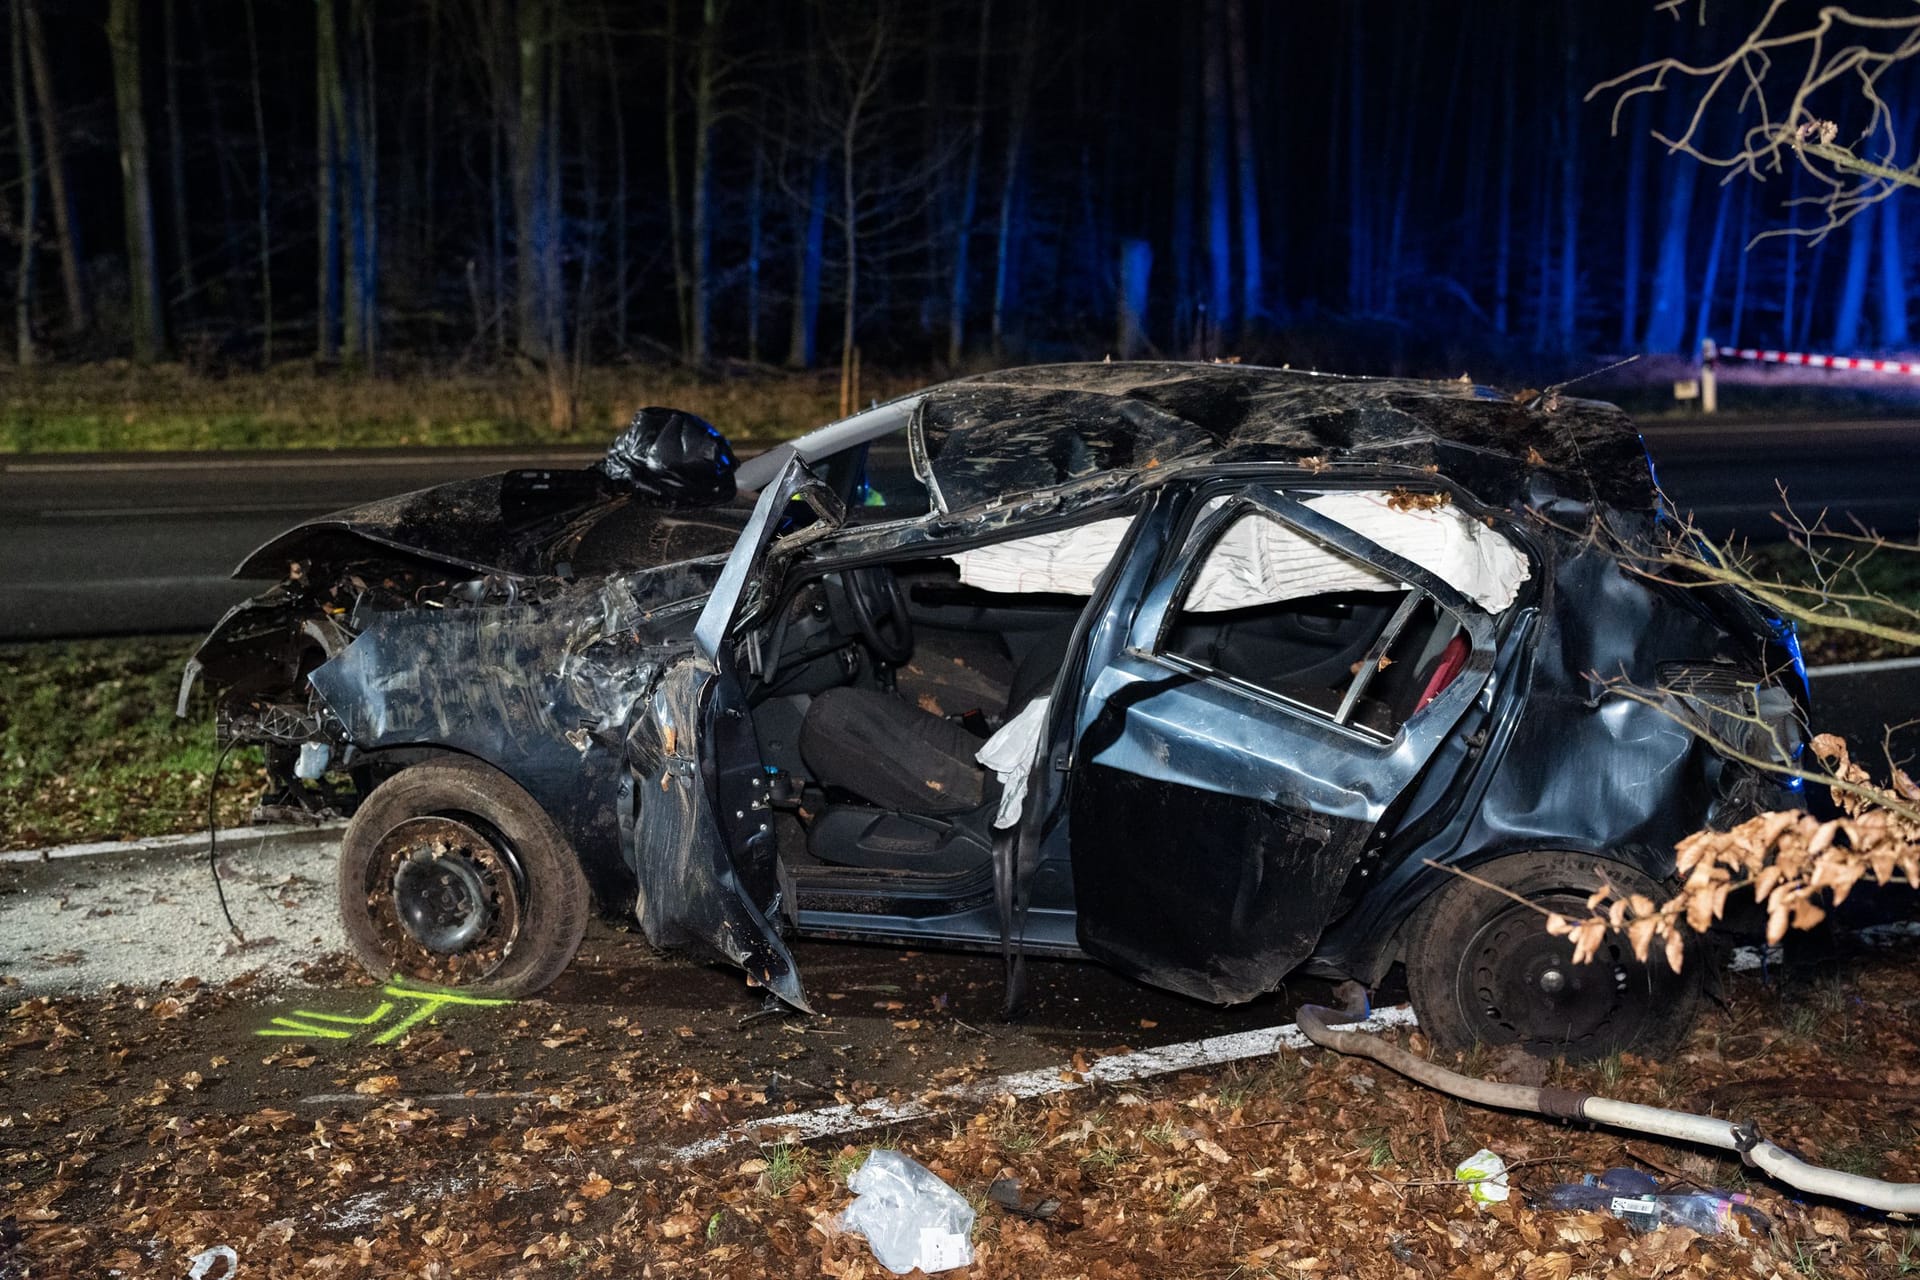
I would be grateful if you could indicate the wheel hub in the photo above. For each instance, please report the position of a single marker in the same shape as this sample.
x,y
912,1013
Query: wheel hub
x,y
444,895
1520,985
442,901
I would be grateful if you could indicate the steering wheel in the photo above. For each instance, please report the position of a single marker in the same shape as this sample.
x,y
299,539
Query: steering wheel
x,y
879,609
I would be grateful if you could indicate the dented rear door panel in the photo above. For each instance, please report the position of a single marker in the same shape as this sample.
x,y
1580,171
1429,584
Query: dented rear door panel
x,y
1213,832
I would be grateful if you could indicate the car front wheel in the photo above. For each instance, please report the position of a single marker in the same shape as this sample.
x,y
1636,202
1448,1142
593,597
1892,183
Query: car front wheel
x,y
451,874
1482,968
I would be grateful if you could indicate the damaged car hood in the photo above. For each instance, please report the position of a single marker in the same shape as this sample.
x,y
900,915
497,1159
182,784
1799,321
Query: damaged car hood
x,y
523,523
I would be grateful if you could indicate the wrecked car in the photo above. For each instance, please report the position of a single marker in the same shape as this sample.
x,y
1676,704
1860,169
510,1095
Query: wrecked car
x,y
1213,673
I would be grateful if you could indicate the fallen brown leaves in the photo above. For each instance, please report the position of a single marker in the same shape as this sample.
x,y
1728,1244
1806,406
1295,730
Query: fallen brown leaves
x,y
112,1156
1797,866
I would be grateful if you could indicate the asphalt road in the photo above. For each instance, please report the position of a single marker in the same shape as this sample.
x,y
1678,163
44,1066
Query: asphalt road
x,y
1729,474
113,544
118,544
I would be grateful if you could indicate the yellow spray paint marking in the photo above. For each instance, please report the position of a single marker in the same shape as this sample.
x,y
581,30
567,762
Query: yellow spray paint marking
x,y
297,1028
339,1026
431,1002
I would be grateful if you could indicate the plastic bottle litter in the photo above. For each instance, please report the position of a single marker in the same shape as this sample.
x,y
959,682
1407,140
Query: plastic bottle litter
x,y
204,1261
1636,1199
1485,1175
908,1215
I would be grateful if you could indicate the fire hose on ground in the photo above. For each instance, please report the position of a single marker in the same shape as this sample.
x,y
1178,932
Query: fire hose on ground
x,y
1571,1104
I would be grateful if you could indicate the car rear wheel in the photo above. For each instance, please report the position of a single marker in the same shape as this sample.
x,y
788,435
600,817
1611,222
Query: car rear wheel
x,y
451,874
1482,968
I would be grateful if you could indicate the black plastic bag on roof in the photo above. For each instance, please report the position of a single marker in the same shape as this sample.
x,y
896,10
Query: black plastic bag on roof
x,y
673,455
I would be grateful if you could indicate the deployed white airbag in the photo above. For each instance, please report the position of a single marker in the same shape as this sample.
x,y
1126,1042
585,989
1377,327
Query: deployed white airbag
x,y
1009,753
1068,561
1259,560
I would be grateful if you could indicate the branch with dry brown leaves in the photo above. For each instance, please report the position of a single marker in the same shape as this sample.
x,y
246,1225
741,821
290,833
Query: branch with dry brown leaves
x,y
1779,95
1789,859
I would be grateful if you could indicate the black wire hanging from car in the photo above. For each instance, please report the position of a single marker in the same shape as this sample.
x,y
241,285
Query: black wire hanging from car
x,y
213,837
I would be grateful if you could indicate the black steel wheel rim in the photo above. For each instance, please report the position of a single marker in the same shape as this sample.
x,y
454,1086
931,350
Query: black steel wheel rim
x,y
445,897
1517,984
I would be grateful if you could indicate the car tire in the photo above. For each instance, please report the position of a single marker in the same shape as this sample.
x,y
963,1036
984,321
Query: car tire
x,y
452,875
1483,970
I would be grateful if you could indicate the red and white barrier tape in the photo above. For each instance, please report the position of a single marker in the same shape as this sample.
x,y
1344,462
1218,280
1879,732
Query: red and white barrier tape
x,y
1802,359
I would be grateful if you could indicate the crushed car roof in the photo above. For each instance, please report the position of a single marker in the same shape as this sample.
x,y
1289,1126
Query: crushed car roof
x,y
1024,430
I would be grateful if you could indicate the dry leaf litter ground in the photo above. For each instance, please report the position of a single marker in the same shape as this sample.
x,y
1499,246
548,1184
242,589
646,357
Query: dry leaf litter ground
x,y
140,1128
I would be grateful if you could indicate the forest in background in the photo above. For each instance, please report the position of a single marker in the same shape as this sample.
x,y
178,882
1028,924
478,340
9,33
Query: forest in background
x,y
555,184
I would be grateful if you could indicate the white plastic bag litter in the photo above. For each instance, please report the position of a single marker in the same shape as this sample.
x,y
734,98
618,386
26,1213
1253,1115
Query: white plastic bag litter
x,y
1485,1175
908,1215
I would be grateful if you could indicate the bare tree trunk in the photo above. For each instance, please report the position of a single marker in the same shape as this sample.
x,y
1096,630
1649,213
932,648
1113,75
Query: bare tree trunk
x,y
1503,237
756,195
1790,273
366,175
261,207
1184,333
863,83
1667,305
1894,332
554,300
969,196
809,243
66,228
699,345
1219,190
1739,317
499,58
1635,215
1893,329
123,34
676,233
560,385
1253,306
1568,316
1136,268
29,197
1019,101
1408,45
326,175
622,304
1811,296
1359,236
227,172
1853,285
429,241
530,133
1710,280
184,286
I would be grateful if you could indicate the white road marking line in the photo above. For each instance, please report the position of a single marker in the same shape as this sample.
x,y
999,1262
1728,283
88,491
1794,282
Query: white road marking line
x,y
805,1126
193,842
148,513
1863,668
335,1099
215,462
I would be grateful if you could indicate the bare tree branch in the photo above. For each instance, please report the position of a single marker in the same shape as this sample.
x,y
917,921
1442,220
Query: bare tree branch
x,y
1790,90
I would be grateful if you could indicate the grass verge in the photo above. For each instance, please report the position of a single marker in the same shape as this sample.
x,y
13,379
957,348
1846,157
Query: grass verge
x,y
90,748
1893,574
118,406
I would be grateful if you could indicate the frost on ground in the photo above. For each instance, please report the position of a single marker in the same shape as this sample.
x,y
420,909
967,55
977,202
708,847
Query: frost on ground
x,y
80,924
